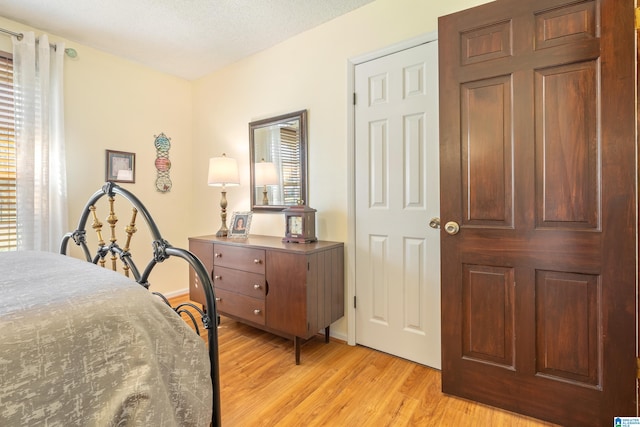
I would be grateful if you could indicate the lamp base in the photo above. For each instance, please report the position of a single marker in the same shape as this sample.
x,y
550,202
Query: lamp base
x,y
224,231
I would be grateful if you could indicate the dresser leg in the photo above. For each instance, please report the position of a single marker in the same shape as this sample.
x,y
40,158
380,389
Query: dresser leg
x,y
296,344
326,333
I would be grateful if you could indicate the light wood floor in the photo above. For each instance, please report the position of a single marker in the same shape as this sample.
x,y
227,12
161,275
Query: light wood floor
x,y
335,385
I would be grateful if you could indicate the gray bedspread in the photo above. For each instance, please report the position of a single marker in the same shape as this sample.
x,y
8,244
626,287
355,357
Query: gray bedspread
x,y
84,346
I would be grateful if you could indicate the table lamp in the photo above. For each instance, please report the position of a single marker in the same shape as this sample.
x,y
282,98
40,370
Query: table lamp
x,y
223,172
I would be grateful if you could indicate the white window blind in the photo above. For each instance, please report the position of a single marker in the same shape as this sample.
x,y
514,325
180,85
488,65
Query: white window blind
x,y
290,156
7,156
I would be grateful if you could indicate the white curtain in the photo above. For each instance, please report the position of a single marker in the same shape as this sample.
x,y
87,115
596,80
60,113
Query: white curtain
x,y
41,169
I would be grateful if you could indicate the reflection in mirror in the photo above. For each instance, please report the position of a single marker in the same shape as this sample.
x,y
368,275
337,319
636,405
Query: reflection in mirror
x,y
278,148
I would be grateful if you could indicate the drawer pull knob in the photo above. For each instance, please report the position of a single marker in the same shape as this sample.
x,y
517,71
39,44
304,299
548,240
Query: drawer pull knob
x,y
217,277
218,299
257,261
257,312
217,255
256,286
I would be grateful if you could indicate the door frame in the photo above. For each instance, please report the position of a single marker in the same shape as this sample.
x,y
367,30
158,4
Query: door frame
x,y
351,159
637,113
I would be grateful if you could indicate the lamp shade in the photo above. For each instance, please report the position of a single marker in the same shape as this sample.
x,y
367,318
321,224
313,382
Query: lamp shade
x,y
223,171
266,174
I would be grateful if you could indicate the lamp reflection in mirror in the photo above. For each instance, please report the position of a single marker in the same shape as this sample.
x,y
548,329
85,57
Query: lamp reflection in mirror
x,y
223,172
266,174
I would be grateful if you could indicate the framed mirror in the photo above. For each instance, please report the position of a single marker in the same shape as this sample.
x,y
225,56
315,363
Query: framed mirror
x,y
278,155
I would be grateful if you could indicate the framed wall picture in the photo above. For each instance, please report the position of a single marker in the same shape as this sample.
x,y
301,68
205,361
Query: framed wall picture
x,y
120,166
240,224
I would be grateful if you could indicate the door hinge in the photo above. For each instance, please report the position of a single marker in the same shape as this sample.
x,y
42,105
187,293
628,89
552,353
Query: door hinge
x,y
354,302
637,16
354,94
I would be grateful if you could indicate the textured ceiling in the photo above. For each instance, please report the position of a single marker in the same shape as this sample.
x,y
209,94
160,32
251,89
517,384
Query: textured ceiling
x,y
187,38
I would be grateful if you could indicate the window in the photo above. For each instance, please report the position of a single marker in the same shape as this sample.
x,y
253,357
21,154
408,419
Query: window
x,y
7,156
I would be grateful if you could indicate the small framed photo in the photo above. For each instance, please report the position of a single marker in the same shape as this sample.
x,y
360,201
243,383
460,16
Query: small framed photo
x,y
120,166
240,224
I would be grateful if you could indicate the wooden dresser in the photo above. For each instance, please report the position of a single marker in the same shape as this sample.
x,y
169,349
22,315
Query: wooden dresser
x,y
290,289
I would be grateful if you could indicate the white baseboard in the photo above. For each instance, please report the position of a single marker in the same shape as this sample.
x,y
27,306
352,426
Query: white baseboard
x,y
177,293
338,336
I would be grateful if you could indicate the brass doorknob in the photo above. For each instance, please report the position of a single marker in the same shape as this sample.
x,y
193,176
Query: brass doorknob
x,y
452,227
434,223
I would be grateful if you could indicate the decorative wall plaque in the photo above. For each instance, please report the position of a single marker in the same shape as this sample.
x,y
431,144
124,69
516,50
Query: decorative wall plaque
x,y
163,164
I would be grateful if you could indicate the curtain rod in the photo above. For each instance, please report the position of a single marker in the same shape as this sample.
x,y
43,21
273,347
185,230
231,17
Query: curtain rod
x,y
72,53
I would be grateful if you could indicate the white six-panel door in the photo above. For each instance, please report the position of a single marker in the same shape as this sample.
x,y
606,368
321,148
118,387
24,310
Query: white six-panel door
x,y
397,254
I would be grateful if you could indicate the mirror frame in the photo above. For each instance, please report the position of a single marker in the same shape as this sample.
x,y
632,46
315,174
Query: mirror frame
x,y
271,121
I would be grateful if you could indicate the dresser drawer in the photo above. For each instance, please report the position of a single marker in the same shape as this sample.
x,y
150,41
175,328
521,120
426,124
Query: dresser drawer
x,y
204,252
251,309
240,258
250,284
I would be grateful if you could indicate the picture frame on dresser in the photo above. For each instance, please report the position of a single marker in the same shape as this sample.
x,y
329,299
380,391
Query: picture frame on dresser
x,y
240,224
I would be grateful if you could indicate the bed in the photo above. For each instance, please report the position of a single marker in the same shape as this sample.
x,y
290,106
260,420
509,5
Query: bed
x,y
81,344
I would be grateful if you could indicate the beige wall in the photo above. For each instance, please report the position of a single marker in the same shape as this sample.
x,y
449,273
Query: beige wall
x,y
309,71
112,103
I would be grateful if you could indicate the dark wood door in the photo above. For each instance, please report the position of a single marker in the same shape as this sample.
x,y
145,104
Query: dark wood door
x,y
537,129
